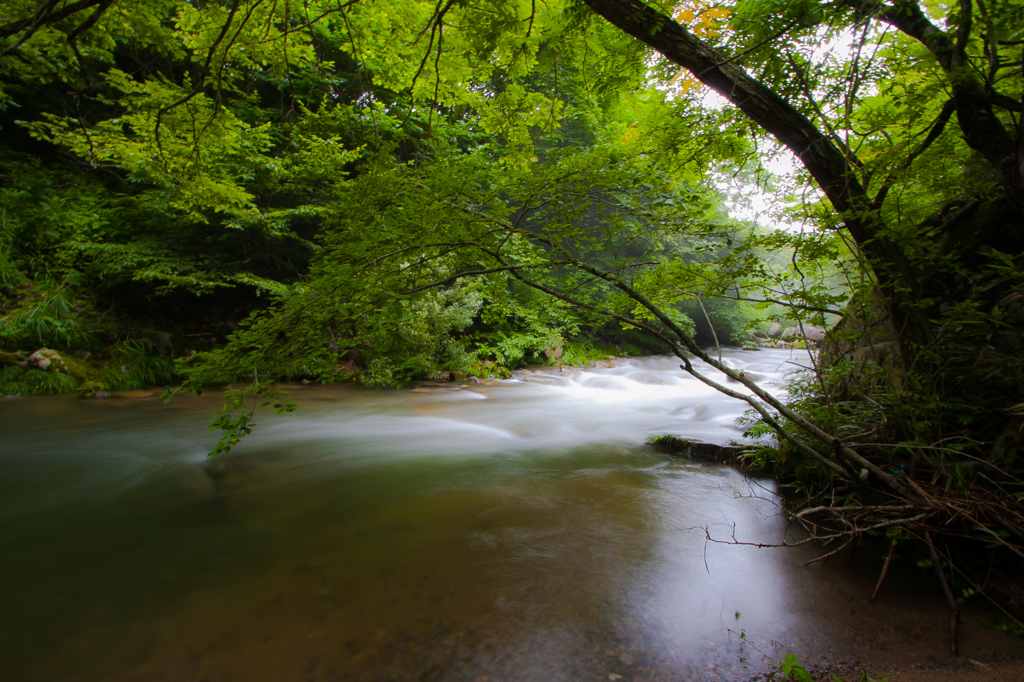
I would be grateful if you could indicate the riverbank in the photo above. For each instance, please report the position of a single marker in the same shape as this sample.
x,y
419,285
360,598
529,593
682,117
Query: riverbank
x,y
964,670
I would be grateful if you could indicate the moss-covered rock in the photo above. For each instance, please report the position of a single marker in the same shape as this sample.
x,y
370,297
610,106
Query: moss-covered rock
x,y
695,449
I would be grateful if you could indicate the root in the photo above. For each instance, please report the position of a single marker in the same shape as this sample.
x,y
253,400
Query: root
x,y
954,618
885,571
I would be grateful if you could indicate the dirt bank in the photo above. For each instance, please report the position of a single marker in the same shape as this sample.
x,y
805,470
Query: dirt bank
x,y
963,670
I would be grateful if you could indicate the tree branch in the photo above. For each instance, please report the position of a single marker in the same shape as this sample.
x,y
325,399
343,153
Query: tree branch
x,y
933,134
982,129
44,17
797,306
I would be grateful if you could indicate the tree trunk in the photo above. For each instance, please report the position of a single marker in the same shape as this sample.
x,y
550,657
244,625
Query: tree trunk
x,y
827,164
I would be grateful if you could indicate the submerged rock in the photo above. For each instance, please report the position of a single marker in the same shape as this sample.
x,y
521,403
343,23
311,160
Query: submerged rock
x,y
648,380
606,383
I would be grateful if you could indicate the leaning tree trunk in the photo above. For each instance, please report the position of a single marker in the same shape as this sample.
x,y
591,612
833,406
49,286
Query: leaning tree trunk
x,y
830,166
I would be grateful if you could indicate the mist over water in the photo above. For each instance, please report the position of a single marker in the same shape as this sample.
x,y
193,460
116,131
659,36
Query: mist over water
x,y
507,530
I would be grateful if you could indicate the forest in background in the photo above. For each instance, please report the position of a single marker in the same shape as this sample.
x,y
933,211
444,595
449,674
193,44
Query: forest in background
x,y
196,194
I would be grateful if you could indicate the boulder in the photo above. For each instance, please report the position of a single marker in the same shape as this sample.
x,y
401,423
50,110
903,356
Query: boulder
x,y
775,330
162,340
808,332
48,360
695,449
554,352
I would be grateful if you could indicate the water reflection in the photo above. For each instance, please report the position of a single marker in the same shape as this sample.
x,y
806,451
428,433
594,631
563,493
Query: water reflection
x,y
512,530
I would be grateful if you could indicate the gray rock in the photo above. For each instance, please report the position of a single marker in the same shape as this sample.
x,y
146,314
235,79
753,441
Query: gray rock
x,y
809,332
877,353
544,379
44,359
160,340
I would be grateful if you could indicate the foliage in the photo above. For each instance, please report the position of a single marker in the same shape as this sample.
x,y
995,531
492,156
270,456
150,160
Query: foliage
x,y
418,340
667,442
791,669
45,318
234,428
18,381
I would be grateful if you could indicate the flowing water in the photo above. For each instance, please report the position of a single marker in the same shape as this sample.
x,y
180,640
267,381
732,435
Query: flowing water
x,y
513,530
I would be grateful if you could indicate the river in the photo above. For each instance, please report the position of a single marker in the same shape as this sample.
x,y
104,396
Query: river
x,y
512,530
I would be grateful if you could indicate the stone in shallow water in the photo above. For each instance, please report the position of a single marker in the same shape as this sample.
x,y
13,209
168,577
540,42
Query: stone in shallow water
x,y
605,383
545,379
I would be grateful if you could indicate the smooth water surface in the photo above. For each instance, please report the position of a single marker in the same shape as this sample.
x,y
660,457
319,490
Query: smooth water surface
x,y
512,530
